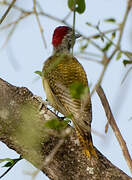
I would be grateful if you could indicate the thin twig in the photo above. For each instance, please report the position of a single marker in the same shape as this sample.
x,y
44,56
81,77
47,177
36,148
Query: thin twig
x,y
15,22
51,155
122,25
126,75
14,6
100,79
89,59
48,159
39,24
73,26
104,32
9,35
114,126
88,53
7,11
67,16
93,43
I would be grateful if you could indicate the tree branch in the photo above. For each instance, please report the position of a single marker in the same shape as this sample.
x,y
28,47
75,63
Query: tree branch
x,y
22,129
114,126
7,11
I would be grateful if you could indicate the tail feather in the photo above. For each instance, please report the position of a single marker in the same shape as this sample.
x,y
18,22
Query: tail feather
x,y
85,140
83,130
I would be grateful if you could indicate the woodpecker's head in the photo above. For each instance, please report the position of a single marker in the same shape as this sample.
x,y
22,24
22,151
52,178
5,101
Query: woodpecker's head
x,y
63,39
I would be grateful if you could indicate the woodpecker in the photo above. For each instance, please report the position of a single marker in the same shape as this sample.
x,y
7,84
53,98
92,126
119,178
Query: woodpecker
x,y
59,73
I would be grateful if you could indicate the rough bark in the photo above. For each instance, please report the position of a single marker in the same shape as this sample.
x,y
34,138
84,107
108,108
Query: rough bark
x,y
22,129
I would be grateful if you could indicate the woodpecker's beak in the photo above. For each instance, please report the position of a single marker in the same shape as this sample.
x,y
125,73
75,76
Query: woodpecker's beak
x,y
77,36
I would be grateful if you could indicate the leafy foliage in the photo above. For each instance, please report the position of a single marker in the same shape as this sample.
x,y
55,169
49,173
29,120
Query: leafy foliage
x,y
77,90
113,35
89,24
107,46
39,73
9,163
83,47
78,5
56,124
111,20
119,55
125,62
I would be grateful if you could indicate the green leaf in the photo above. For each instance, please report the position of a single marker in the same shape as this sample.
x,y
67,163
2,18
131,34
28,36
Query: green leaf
x,y
99,36
69,116
119,55
89,24
107,46
5,159
77,89
96,36
113,35
125,62
97,26
9,163
39,73
83,47
111,20
56,124
79,6
71,5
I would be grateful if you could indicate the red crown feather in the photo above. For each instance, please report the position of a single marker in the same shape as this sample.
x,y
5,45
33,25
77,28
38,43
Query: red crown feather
x,y
59,34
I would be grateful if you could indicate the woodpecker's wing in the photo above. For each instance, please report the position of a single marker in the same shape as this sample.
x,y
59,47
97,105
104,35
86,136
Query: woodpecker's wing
x,y
59,73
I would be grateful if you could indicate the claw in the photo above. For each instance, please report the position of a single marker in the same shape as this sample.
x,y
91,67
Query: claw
x,y
42,103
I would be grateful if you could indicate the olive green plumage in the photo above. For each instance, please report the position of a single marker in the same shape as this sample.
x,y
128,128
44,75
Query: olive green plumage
x,y
59,73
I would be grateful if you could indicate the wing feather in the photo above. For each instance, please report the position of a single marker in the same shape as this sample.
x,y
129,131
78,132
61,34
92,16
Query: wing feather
x,y
60,73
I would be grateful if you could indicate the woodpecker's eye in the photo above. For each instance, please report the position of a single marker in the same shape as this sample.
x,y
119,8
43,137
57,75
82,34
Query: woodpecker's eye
x,y
70,42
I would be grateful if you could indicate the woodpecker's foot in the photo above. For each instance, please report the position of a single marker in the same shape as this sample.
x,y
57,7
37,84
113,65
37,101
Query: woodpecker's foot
x,y
45,103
